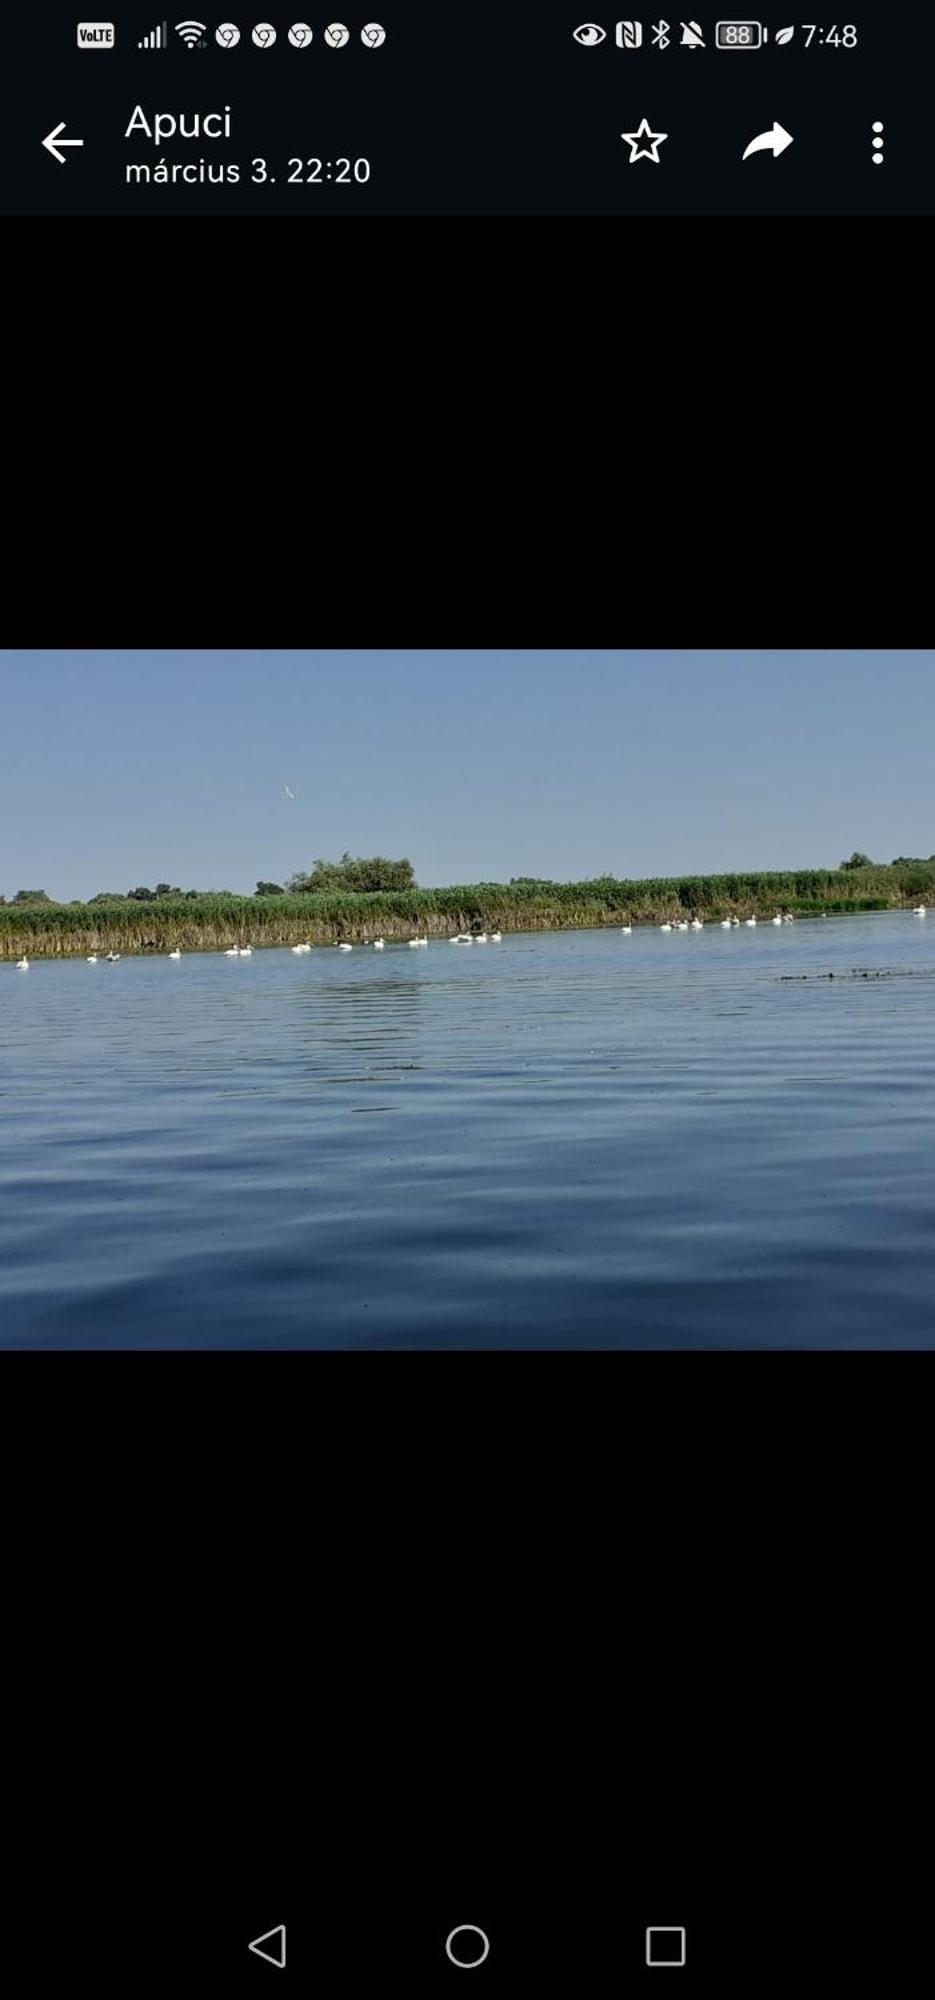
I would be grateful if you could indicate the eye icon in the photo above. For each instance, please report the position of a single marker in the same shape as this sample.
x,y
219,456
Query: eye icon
x,y
590,35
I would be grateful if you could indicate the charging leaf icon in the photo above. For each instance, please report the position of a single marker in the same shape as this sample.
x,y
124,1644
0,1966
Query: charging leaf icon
x,y
784,35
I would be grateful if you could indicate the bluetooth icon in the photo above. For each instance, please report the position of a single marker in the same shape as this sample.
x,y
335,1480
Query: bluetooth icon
x,y
661,34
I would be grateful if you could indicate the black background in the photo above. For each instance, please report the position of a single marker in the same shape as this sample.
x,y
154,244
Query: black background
x,y
491,112
374,1648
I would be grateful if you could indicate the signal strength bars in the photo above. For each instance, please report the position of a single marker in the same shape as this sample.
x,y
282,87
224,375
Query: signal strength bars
x,y
157,39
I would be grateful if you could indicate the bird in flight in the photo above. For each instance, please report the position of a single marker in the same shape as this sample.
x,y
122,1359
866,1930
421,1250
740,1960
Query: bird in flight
x,y
289,794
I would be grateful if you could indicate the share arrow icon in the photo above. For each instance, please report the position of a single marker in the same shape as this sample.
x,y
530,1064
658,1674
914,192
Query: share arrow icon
x,y
774,142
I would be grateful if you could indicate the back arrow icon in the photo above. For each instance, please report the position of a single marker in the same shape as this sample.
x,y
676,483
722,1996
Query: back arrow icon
x,y
271,1946
53,140
774,142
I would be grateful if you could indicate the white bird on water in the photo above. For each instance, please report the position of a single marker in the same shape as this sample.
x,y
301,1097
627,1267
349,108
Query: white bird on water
x,y
697,924
625,930
665,927
777,920
379,944
920,912
481,937
682,926
233,951
462,938
246,951
725,926
175,954
345,947
418,944
786,918
22,964
750,923
735,923
93,958
297,948
113,958
496,937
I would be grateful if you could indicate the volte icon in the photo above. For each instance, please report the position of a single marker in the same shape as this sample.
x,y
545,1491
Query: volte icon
x,y
96,34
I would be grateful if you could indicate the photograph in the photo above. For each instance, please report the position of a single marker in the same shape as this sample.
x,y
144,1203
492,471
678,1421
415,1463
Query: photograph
x,y
480,1000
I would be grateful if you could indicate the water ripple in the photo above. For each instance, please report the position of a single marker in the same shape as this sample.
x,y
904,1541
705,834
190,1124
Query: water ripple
x,y
568,1140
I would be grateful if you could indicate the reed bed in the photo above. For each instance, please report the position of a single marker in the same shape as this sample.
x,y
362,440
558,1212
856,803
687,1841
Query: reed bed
x,y
214,922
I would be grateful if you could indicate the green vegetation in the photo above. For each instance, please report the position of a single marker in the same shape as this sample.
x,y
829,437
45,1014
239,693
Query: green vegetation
x,y
358,876
858,860
142,895
214,920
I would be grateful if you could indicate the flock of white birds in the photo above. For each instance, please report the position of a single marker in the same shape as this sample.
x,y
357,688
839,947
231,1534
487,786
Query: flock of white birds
x,y
734,923
246,950
728,923
465,937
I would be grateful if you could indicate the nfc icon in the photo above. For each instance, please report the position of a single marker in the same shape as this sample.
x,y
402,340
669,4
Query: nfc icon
x,y
629,34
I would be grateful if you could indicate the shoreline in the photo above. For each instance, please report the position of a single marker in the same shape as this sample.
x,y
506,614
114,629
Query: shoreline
x,y
218,920
139,940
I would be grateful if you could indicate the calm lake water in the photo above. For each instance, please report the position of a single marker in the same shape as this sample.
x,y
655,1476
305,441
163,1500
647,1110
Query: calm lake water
x,y
579,1139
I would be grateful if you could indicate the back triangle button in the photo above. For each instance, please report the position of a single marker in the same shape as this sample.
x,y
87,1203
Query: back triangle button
x,y
271,1946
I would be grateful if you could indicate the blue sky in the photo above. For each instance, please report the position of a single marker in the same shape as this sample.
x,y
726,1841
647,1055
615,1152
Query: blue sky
x,y
122,768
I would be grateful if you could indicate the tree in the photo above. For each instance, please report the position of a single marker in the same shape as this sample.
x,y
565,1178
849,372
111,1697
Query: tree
x,y
164,889
355,874
140,896
858,861
31,896
269,889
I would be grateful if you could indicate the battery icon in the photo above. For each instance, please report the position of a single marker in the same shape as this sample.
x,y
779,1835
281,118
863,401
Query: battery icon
x,y
739,35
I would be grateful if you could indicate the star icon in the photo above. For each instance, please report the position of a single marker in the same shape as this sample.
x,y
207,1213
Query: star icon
x,y
636,141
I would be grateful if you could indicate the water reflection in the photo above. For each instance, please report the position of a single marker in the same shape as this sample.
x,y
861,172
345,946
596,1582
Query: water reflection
x,y
576,1140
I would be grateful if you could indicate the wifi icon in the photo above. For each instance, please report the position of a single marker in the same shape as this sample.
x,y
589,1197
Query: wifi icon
x,y
191,32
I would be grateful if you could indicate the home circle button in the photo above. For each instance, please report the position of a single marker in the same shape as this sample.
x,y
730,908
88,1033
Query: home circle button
x,y
467,1945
